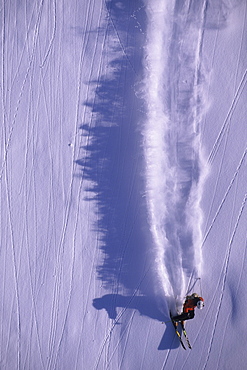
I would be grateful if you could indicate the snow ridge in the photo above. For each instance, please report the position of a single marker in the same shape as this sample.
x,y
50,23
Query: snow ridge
x,y
175,164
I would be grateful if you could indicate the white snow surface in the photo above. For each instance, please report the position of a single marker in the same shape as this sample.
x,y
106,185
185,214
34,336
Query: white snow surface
x,y
123,183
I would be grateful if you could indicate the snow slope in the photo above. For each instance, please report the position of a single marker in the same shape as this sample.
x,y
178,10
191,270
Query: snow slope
x,y
123,181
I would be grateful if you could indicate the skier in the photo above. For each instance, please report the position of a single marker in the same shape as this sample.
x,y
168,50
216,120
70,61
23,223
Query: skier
x,y
188,313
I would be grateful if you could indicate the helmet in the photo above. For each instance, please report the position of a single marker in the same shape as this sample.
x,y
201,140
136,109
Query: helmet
x,y
200,304
195,295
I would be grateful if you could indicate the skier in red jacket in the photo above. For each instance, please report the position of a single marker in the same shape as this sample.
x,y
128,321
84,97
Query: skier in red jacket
x,y
191,302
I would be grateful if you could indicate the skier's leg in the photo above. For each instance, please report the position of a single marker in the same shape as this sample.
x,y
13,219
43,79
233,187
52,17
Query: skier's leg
x,y
181,317
184,316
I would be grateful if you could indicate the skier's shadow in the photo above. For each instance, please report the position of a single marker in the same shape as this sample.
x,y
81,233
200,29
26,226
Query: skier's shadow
x,y
146,307
169,339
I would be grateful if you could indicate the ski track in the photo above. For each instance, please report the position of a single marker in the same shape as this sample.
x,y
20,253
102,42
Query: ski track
x,y
15,272
117,319
59,267
227,121
237,292
91,9
8,142
128,327
238,92
226,265
225,129
126,332
221,281
224,273
145,346
225,196
28,185
53,34
82,175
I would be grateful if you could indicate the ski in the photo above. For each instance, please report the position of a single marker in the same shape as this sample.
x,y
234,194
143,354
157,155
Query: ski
x,y
179,337
186,337
178,334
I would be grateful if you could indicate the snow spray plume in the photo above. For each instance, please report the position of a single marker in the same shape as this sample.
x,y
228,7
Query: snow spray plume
x,y
175,166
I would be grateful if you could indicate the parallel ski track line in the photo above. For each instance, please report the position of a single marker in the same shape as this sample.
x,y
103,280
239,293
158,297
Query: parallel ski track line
x,y
241,43
16,263
5,339
86,303
216,289
28,175
50,209
127,328
218,178
32,291
32,115
8,346
15,270
227,120
58,262
230,228
58,105
34,157
71,281
51,197
59,267
168,353
227,126
83,169
120,314
212,300
222,201
2,85
3,343
53,34
146,345
227,259
225,196
32,185
29,132
59,270
33,325
8,142
25,45
236,292
70,293
27,239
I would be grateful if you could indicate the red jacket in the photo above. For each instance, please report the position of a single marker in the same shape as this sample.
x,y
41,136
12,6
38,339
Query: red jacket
x,y
190,303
